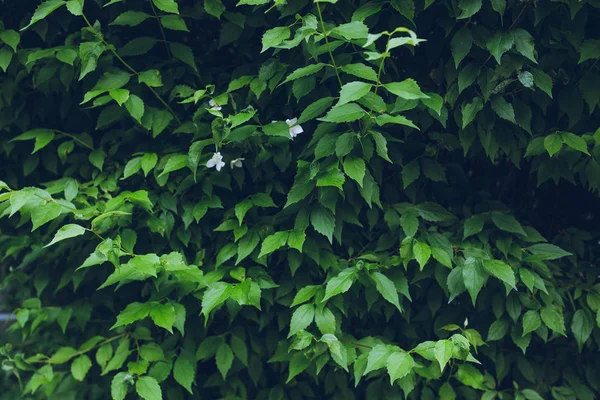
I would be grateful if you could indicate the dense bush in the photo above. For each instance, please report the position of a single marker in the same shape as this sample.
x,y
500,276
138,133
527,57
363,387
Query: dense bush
x,y
289,200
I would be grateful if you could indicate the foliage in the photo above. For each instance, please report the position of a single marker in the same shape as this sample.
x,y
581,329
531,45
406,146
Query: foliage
x,y
301,199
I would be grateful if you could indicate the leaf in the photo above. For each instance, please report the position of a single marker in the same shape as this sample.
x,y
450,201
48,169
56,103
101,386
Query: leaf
x,y
175,163
469,8
67,232
553,143
531,321
546,251
590,49
396,119
361,71
443,351
118,386
344,113
80,367
133,312
387,289
224,359
422,253
135,106
148,162
575,142
503,108
542,80
355,168
151,78
353,91
553,319
473,225
184,373
184,53
340,284
407,89
499,6
323,221
43,10
130,18
174,22
148,388
524,43
470,110
501,271
399,364
303,71
214,296
461,45
582,325
351,30
6,56
325,320
274,36
378,358
168,6
163,315
298,363
315,109
304,294
409,223
474,277
498,330
507,223
273,242
11,38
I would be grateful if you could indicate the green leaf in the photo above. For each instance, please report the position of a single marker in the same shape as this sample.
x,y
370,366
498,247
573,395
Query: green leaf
x,y
435,102
553,143
298,363
303,71
474,277
546,251
355,168
461,45
380,145
407,89
524,43
89,52
133,312
175,163
118,386
184,373
590,49
469,8
148,162
499,6
361,71
151,78
11,38
246,246
43,10
351,30
399,364
323,221
542,80
315,109
353,91
344,113
80,367
169,6
582,325
501,271
151,352
553,319
387,289
531,321
273,242
340,284
130,18
575,142
443,351
422,253
304,294
75,7
333,177
174,22
184,53
473,225
498,330
274,36
163,315
507,223
470,110
5,58
67,232
135,106
280,129
325,320
409,223
503,108
396,119
224,358
214,7
148,388
378,358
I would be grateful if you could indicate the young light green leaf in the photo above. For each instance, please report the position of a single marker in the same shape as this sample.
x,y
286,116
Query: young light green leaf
x,y
80,367
344,113
67,232
361,71
553,319
399,364
387,289
443,351
501,271
273,242
44,10
531,321
407,89
148,388
353,91
340,284
303,71
422,253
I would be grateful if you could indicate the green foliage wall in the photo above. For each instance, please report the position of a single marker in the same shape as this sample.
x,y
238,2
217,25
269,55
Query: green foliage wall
x,y
303,199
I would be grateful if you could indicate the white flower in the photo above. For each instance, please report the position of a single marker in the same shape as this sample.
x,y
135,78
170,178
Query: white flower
x,y
214,106
236,163
295,130
466,323
216,161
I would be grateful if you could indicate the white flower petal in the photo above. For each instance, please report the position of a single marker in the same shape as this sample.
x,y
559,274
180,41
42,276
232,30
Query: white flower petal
x,y
292,121
220,165
211,163
296,130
